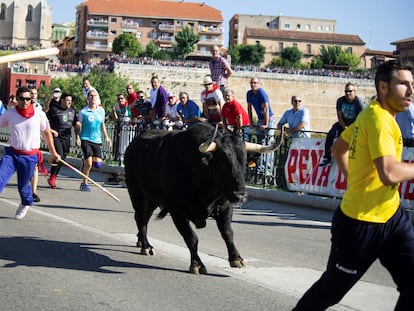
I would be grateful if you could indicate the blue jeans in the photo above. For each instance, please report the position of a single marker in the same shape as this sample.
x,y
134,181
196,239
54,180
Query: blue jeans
x,y
24,166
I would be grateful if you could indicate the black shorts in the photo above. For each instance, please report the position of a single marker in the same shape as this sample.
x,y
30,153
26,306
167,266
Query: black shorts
x,y
90,149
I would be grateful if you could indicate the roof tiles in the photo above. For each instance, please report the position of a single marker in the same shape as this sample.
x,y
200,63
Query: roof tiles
x,y
154,8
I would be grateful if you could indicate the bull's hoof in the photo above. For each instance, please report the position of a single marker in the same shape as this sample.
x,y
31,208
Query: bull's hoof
x,y
198,269
238,263
147,251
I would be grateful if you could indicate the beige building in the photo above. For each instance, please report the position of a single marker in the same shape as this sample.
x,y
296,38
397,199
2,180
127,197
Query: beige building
x,y
278,32
239,22
308,43
404,50
25,23
98,25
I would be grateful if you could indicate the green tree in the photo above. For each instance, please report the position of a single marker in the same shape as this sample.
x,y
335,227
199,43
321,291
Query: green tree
x,y
151,49
107,84
334,55
126,43
234,52
185,41
292,56
348,59
252,54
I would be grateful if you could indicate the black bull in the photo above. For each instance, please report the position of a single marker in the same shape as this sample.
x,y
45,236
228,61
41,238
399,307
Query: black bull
x,y
191,175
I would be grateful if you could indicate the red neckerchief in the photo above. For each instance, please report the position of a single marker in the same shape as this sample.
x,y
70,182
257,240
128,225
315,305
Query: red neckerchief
x,y
215,87
25,113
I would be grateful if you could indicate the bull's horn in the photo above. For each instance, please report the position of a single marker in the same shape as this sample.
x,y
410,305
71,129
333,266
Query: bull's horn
x,y
207,147
251,147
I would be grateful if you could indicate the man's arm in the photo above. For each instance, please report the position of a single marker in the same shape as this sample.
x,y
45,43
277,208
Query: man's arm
x,y
228,71
391,171
48,137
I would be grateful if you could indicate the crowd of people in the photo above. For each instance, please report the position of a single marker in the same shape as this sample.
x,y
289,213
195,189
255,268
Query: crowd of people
x,y
369,224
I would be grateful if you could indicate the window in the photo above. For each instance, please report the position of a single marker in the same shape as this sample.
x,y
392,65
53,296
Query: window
x,y
287,26
257,42
298,26
154,23
280,47
113,19
18,83
295,45
113,32
138,35
308,49
320,28
308,27
328,28
3,11
29,15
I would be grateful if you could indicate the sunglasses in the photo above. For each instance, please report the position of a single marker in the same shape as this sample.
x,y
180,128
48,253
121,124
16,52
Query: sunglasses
x,y
297,100
121,98
349,91
24,98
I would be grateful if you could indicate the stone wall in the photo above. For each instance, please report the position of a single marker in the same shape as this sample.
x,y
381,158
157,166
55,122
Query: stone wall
x,y
318,93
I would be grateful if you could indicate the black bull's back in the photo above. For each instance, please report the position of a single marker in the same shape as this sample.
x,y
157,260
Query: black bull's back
x,y
168,170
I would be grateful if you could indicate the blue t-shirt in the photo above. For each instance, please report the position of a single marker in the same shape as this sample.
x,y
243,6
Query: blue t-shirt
x,y
91,124
257,100
189,111
294,118
405,121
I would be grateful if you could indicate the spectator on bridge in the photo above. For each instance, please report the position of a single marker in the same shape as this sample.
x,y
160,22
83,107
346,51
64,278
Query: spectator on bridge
x,y
121,110
347,109
132,95
405,121
2,108
188,110
62,118
92,125
297,118
220,69
141,110
55,100
25,124
212,99
86,87
233,113
158,96
258,99
370,223
171,115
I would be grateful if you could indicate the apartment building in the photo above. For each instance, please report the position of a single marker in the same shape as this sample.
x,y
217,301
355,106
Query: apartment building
x,y
404,50
239,22
278,32
25,23
98,25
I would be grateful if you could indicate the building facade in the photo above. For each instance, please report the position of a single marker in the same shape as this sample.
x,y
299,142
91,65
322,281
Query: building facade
x,y
149,20
404,50
25,23
278,32
239,22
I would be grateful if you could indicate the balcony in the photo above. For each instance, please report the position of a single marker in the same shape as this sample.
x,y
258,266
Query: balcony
x,y
96,35
204,41
129,26
166,27
97,47
166,39
210,30
97,22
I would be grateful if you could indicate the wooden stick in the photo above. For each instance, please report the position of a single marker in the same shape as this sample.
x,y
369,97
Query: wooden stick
x,y
90,179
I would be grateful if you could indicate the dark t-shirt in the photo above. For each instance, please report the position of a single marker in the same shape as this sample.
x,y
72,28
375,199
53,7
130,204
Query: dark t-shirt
x,y
142,108
350,110
62,120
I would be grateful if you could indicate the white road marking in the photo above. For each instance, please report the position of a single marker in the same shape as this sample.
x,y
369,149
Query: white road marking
x,y
292,281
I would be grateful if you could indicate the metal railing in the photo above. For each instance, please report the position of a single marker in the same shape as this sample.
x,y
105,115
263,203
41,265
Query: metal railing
x,y
263,170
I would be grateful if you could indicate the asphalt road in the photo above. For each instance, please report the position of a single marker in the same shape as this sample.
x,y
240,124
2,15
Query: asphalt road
x,y
76,250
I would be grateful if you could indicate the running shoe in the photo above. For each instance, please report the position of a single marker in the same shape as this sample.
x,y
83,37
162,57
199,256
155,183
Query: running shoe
x,y
22,211
84,187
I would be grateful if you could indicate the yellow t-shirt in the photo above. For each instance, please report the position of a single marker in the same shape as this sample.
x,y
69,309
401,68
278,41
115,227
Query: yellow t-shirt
x,y
374,134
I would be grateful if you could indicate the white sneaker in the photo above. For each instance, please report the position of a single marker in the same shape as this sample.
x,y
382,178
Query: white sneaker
x,y
22,211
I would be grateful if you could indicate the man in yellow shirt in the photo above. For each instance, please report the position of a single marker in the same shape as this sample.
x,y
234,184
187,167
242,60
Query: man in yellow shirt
x,y
370,223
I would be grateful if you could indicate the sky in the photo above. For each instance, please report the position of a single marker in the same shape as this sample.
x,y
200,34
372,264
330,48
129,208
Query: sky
x,y
376,22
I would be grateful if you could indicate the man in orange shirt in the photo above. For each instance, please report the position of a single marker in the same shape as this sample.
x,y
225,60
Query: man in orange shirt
x,y
233,113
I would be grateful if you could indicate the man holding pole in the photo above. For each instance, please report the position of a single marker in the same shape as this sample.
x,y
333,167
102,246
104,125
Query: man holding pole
x,y
24,123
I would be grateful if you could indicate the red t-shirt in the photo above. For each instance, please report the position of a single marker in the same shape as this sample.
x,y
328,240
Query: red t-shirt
x,y
230,112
